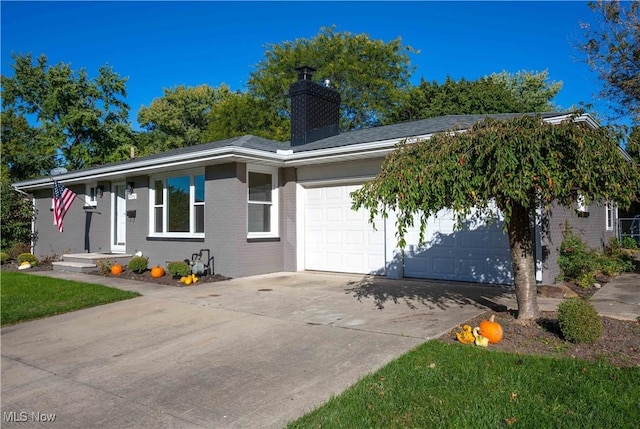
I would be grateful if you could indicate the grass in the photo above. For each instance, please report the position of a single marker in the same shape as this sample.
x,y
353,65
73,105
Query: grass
x,y
441,385
27,297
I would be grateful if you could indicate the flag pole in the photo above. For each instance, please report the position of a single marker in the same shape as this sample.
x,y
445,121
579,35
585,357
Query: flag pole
x,y
77,196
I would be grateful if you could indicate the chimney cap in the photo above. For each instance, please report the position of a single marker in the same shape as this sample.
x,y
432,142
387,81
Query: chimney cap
x,y
305,72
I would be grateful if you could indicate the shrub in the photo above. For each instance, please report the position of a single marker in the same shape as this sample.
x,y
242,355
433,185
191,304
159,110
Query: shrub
x,y
579,321
27,257
4,257
629,243
575,258
104,266
138,264
18,249
178,268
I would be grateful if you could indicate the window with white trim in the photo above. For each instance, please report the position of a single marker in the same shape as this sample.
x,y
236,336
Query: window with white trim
x,y
91,195
262,202
609,212
177,206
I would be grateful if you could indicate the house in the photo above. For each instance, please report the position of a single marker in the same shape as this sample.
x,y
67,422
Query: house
x,y
262,206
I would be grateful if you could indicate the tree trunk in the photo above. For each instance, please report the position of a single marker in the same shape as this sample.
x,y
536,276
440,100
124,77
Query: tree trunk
x,y
521,242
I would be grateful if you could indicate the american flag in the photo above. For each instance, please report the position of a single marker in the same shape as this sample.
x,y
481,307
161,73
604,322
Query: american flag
x,y
62,199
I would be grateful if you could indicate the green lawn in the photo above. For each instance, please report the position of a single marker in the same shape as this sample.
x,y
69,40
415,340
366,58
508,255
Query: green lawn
x,y
441,385
26,297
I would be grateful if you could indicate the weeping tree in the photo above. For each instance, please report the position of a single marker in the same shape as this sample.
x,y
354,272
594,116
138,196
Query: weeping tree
x,y
514,166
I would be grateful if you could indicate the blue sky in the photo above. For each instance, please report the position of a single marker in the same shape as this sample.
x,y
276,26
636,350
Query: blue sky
x,y
164,44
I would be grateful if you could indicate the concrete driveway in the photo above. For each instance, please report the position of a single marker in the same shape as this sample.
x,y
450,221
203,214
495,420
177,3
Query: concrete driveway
x,y
255,352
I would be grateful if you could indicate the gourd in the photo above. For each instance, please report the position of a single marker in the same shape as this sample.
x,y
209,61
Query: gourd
x,y
466,336
157,272
491,330
116,269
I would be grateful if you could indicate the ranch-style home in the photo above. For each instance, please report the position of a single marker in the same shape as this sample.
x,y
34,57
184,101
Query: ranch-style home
x,y
262,206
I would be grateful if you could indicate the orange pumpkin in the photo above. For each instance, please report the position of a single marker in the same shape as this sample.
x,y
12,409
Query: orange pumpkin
x,y
491,330
157,272
116,269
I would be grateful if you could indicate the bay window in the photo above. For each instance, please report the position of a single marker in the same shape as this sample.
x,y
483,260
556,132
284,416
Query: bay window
x,y
177,206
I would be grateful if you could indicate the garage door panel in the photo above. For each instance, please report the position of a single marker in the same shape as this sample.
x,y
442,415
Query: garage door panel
x,y
347,242
477,252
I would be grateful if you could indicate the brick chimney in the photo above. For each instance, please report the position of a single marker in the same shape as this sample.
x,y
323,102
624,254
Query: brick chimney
x,y
315,109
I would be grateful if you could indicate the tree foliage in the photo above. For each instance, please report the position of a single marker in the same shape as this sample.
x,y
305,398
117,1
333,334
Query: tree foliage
x,y
613,50
84,119
17,213
519,165
181,116
370,75
240,114
504,92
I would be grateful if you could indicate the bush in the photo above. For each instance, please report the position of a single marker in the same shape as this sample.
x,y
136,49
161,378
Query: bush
x,y
178,268
104,266
18,249
138,264
27,257
4,257
575,258
579,321
629,243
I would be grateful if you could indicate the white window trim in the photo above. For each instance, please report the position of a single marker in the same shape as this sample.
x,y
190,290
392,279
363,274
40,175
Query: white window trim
x,y
275,211
192,203
610,213
581,205
91,194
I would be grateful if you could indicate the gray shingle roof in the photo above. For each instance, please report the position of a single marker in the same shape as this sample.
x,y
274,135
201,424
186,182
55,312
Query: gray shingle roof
x,y
387,132
408,129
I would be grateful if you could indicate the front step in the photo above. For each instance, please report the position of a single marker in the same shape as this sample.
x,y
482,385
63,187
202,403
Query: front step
x,y
75,267
87,262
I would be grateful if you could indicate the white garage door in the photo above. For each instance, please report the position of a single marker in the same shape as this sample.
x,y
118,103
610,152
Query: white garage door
x,y
476,253
338,238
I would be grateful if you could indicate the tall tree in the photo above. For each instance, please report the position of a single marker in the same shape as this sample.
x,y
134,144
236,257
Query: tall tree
x,y
181,116
85,119
613,50
519,164
240,114
504,92
16,213
369,74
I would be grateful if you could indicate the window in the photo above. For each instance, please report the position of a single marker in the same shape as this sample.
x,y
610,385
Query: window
x,y
91,196
177,206
581,205
262,203
609,211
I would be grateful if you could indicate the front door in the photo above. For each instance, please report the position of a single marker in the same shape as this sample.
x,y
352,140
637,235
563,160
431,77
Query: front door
x,y
118,218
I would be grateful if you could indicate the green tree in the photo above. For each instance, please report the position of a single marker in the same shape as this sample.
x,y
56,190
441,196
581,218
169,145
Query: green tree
x,y
612,50
533,91
181,116
633,143
239,114
519,164
504,92
369,74
85,119
25,151
17,213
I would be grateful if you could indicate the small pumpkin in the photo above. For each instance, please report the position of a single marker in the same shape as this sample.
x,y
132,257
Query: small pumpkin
x,y
116,269
157,272
466,336
491,330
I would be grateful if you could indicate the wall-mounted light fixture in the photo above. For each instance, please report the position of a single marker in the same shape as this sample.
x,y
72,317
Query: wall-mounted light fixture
x,y
99,191
130,187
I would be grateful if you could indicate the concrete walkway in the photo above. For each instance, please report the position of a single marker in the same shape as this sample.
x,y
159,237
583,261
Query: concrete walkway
x,y
247,353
